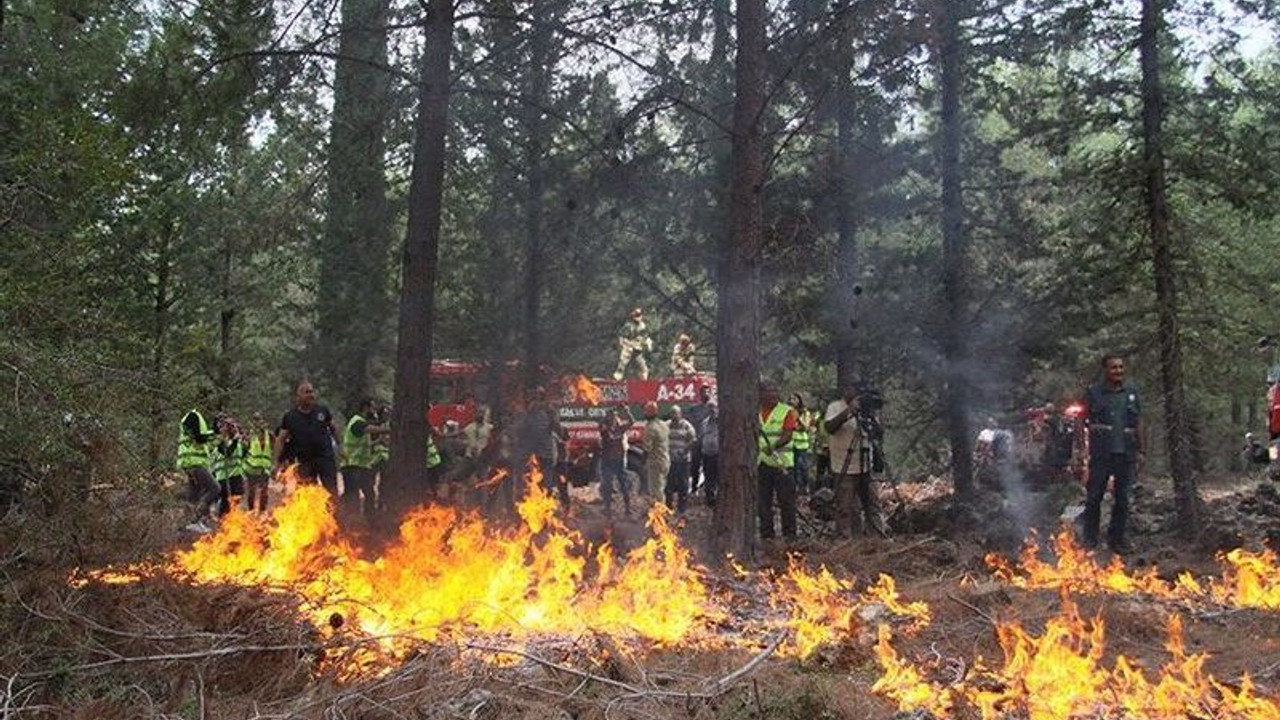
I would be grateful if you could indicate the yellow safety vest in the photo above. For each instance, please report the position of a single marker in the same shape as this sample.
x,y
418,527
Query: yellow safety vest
x,y
357,449
433,453
261,453
770,433
800,438
192,453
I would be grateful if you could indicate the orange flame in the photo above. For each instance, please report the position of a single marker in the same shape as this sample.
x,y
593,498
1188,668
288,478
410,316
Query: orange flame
x,y
885,591
587,391
1058,675
822,609
1248,579
821,612
494,479
903,683
449,573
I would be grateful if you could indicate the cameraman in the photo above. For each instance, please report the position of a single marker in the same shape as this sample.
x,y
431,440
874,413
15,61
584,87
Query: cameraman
x,y
851,463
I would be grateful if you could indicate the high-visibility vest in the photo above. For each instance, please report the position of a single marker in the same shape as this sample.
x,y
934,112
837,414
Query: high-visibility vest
x,y
240,459
357,450
770,433
261,454
227,463
192,453
800,438
382,448
433,453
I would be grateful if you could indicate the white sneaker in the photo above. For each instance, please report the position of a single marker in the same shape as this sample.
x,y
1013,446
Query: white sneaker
x,y
198,528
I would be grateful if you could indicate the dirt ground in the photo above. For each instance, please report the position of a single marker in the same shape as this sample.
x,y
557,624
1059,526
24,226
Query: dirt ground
x,y
160,647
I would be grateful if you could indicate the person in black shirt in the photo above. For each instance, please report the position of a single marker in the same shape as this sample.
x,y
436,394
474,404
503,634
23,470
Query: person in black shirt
x,y
305,437
1114,415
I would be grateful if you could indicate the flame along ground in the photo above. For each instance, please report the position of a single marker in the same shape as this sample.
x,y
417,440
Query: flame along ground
x,y
1059,675
449,576
1249,580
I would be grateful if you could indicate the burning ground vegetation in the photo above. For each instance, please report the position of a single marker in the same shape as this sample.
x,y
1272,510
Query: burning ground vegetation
x,y
290,616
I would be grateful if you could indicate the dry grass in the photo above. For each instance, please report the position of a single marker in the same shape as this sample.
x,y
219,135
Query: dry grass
x,y
161,647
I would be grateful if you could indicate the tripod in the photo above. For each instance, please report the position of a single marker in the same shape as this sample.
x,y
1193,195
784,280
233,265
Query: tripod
x,y
868,511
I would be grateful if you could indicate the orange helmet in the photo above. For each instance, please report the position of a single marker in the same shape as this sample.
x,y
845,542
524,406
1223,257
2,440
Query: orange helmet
x,y
651,409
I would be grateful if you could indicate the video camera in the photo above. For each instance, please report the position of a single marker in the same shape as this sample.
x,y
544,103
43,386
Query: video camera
x,y
870,402
870,399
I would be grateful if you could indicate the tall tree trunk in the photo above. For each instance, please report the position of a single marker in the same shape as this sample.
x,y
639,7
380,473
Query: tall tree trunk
x,y
408,463
846,276
226,317
353,303
1186,499
738,321
537,97
954,248
159,345
1237,420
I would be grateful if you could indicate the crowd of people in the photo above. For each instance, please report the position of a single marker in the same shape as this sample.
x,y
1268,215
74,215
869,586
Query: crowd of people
x,y
671,457
483,463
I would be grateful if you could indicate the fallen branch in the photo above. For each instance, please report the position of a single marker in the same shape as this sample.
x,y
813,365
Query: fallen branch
x,y
723,683
199,655
976,609
716,689
909,546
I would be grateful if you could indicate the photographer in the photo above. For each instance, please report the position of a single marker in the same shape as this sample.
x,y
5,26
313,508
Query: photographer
x,y
853,429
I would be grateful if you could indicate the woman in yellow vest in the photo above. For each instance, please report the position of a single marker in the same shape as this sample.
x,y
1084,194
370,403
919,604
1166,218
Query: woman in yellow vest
x,y
229,462
195,444
258,465
801,443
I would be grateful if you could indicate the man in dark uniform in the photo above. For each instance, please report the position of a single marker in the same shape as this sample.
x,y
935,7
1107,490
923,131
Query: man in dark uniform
x,y
1113,412
305,437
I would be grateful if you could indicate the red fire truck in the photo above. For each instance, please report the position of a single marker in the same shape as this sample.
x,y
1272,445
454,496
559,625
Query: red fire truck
x,y
456,387
581,409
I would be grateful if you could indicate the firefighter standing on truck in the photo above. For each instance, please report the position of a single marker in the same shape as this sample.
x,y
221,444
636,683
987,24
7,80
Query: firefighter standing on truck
x,y
633,343
682,357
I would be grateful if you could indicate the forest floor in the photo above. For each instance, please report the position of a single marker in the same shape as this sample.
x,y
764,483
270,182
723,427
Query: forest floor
x,y
156,644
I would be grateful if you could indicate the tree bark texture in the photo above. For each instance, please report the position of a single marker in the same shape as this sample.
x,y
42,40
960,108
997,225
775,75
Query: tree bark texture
x,y
537,90
353,302
226,321
408,464
738,312
1186,498
846,276
954,248
161,306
